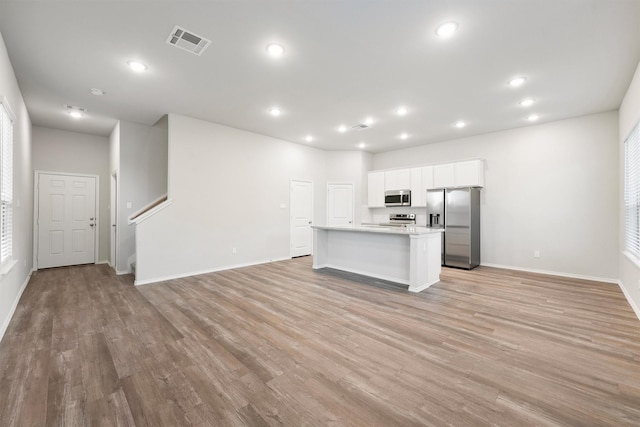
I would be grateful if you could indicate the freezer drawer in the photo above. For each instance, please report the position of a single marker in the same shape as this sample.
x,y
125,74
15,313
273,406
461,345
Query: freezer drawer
x,y
457,252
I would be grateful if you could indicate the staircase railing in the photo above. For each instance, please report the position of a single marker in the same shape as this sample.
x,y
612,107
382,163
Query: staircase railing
x,y
149,209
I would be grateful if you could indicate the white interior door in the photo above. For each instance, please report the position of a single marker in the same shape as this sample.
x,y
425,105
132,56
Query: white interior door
x,y
340,204
66,220
301,204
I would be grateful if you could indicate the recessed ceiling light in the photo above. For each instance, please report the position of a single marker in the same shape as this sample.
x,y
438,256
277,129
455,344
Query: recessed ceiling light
x,y
74,111
275,111
97,92
275,50
368,121
401,111
404,135
517,81
527,102
308,138
342,128
446,30
460,124
362,145
136,66
533,117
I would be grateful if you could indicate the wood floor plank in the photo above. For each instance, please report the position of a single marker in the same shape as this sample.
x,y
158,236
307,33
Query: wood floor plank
x,y
282,344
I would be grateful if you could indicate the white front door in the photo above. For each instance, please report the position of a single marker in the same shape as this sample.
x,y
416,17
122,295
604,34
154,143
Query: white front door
x,y
301,217
340,204
66,220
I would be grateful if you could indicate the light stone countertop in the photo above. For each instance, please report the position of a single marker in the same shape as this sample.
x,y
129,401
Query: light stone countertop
x,y
380,229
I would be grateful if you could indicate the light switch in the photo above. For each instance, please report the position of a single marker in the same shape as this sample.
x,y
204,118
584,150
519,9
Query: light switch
x,y
129,205
283,206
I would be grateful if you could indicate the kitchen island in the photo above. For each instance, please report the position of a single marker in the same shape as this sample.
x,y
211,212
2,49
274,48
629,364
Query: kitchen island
x,y
408,255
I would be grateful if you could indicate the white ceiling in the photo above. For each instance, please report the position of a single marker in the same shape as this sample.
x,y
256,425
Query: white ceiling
x,y
344,60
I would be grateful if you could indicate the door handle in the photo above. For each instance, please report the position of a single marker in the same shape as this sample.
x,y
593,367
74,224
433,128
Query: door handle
x,y
91,225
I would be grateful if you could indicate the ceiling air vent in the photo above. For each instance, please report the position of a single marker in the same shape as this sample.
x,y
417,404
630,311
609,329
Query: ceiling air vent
x,y
74,108
187,40
360,127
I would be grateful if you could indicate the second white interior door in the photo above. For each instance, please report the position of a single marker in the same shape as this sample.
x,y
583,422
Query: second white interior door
x,y
340,204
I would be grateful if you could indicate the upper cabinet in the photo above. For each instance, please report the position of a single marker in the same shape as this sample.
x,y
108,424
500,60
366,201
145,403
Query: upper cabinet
x,y
469,173
418,190
444,176
399,179
376,189
427,178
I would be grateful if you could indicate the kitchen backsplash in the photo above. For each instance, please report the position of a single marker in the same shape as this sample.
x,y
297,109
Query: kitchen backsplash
x,y
382,214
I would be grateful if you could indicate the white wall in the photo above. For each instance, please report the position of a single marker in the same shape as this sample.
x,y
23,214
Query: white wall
x,y
551,187
71,152
142,178
12,284
226,186
629,268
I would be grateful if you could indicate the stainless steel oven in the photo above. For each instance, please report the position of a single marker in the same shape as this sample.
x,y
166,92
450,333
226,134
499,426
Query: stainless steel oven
x,y
397,198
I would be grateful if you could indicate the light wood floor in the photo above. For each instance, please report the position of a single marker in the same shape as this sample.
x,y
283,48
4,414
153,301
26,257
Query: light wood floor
x,y
280,344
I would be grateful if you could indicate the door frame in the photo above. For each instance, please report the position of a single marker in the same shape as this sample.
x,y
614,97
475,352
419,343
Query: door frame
x,y
353,199
291,181
113,220
36,206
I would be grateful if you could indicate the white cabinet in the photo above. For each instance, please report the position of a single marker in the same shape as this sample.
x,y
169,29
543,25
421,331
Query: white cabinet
x,y
469,173
417,190
397,179
444,176
375,189
427,179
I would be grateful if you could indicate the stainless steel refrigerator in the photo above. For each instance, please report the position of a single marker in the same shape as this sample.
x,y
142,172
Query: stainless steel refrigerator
x,y
457,210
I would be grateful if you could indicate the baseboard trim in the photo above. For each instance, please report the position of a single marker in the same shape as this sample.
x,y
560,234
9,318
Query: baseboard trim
x,y
630,300
554,273
5,324
422,287
197,273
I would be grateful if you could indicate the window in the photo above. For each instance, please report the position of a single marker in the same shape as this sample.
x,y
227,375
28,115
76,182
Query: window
x,y
632,192
6,184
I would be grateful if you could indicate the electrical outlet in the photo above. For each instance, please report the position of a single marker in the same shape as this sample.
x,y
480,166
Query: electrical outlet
x,y
234,251
536,254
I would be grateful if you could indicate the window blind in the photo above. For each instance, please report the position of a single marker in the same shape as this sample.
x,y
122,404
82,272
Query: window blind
x,y
6,184
632,192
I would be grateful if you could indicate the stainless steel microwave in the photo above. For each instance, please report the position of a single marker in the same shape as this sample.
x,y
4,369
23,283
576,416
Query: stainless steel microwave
x,y
397,198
